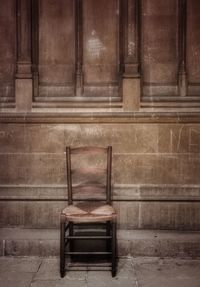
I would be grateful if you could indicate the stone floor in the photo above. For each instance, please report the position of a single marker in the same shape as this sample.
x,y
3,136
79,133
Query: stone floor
x,y
133,272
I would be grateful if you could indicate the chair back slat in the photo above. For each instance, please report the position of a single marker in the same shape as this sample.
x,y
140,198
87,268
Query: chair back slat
x,y
89,173
88,170
88,192
88,150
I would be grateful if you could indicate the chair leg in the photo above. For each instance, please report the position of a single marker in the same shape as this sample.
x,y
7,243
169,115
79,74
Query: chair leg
x,y
114,238
62,249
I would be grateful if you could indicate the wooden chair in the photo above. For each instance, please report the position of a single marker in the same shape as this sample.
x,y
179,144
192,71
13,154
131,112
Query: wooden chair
x,y
89,203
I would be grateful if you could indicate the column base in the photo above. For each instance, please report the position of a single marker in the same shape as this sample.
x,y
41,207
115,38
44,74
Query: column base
x,y
131,94
23,94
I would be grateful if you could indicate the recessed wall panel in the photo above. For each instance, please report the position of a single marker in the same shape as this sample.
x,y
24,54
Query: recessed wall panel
x,y
159,47
193,46
101,47
7,49
56,48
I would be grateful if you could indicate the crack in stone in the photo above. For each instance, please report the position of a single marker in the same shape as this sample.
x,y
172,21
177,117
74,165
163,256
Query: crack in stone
x,y
35,273
39,267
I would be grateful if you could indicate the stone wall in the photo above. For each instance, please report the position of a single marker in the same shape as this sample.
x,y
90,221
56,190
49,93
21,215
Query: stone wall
x,y
124,73
156,183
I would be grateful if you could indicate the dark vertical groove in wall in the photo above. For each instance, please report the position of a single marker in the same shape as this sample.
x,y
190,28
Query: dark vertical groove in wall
x,y
138,35
182,35
121,42
29,29
182,31
16,49
140,40
125,28
79,46
35,45
121,35
18,28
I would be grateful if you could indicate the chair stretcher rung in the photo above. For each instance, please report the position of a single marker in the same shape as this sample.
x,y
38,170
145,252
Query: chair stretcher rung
x,y
89,237
88,150
88,253
94,265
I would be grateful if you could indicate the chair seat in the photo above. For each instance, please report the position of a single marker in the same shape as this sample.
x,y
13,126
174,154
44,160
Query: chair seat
x,y
89,213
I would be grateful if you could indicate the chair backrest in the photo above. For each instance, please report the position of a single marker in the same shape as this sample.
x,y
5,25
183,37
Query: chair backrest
x,y
89,173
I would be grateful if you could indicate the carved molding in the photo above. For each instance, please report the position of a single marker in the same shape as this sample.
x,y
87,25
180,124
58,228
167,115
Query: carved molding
x,y
102,117
131,37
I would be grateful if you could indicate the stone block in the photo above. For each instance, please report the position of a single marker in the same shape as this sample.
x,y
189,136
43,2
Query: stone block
x,y
24,265
32,168
11,213
46,168
35,214
171,215
23,94
167,273
45,242
158,243
10,279
49,270
29,247
44,138
13,168
149,160
180,248
59,283
179,138
131,94
42,214
12,138
132,138
131,214
128,214
104,278
155,169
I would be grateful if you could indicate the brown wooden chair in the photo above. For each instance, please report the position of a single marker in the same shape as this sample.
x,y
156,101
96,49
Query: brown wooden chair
x,y
89,204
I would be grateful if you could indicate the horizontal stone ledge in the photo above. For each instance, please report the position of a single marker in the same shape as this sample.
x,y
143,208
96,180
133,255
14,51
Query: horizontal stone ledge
x,y
126,192
178,200
79,116
53,234
45,242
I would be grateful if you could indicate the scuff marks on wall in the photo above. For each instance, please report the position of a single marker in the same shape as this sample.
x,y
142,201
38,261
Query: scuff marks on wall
x,y
95,46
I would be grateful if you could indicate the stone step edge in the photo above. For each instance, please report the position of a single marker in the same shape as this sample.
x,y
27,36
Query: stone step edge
x,y
45,242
